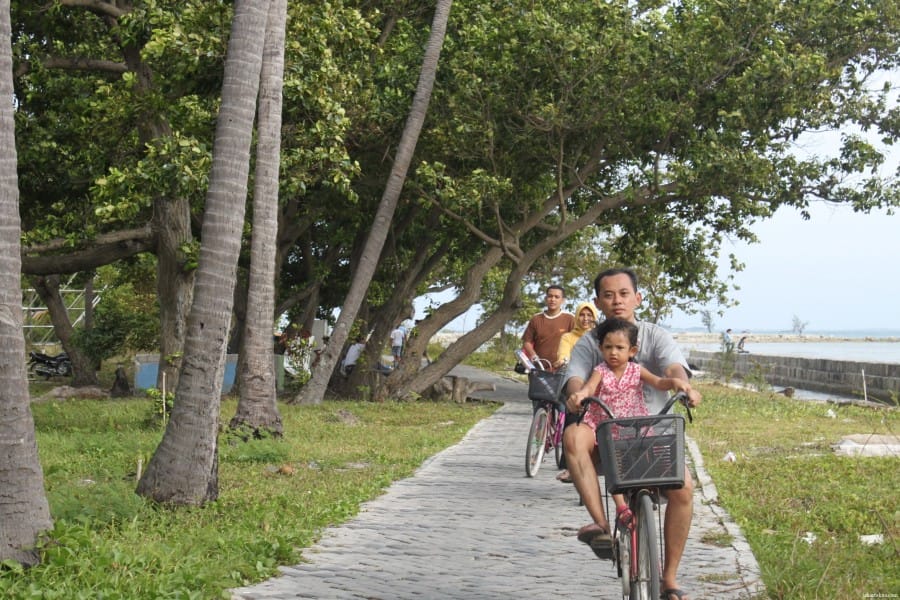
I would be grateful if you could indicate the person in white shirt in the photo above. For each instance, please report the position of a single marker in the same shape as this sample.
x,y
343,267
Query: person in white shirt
x,y
353,354
398,337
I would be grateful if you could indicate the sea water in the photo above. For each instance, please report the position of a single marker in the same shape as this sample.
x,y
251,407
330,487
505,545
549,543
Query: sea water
x,y
870,352
858,351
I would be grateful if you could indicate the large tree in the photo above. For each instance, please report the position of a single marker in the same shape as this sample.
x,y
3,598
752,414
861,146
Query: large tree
x,y
314,391
184,468
24,511
665,127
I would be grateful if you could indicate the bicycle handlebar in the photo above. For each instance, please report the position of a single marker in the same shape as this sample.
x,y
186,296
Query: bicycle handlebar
x,y
679,397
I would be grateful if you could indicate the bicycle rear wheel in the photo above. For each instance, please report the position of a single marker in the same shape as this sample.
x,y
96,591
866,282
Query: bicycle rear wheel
x,y
537,441
645,584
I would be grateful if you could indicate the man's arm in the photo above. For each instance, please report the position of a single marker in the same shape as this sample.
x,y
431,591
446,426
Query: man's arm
x,y
678,371
528,340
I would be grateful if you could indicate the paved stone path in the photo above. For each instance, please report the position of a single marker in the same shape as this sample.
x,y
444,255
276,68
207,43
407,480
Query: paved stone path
x,y
470,525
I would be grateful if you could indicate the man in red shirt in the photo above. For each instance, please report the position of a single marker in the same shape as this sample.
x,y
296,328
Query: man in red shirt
x,y
541,337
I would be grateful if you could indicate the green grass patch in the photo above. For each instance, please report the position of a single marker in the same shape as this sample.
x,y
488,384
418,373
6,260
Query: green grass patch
x,y
276,495
802,507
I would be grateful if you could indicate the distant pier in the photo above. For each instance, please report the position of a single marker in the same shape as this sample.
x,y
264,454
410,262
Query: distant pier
x,y
839,377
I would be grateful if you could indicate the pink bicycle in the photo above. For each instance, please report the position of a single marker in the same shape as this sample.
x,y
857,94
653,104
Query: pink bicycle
x,y
549,417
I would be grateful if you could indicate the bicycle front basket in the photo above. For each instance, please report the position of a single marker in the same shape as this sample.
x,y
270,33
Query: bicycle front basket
x,y
543,386
637,452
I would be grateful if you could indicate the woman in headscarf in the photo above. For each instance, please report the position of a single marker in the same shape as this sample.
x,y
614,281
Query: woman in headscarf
x,y
585,319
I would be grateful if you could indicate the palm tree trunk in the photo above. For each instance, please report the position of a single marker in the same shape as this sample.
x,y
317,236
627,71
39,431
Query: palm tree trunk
x,y
184,468
24,511
257,408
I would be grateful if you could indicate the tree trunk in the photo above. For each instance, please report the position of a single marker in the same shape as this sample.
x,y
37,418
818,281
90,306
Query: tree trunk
x,y
84,371
24,511
174,285
257,408
184,468
171,226
314,390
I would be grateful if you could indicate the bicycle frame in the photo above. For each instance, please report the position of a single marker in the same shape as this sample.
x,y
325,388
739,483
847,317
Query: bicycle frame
x,y
635,584
547,421
641,539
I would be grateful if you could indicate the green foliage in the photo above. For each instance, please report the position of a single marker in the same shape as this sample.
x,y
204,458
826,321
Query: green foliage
x,y
127,318
497,355
724,366
160,408
276,495
757,377
787,482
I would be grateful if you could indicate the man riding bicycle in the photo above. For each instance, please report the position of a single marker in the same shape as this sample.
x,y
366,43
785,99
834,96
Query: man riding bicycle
x,y
617,296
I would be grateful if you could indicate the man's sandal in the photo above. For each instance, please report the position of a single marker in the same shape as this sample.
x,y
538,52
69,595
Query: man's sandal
x,y
598,539
667,594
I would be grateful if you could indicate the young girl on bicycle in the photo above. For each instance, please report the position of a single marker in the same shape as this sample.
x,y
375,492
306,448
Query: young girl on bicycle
x,y
618,382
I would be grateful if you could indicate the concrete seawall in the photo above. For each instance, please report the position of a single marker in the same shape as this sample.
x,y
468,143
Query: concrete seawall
x,y
840,377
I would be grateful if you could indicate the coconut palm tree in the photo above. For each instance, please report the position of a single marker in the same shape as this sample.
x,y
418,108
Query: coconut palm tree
x,y
257,408
184,468
24,511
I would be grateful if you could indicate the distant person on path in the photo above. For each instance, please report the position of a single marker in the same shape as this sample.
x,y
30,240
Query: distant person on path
x,y
617,380
544,330
398,337
353,353
585,319
617,296
740,346
727,342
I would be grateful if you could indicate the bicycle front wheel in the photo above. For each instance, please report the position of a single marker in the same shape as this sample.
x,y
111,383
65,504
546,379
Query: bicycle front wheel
x,y
559,453
645,583
537,438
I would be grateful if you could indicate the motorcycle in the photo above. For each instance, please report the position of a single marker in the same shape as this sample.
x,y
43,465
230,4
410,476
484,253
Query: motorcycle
x,y
48,366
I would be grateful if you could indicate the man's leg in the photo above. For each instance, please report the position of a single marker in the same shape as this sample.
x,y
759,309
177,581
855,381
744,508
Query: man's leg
x,y
679,512
579,443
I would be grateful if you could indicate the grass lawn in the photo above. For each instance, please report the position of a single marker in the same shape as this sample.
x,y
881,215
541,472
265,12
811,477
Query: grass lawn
x,y
802,507
275,496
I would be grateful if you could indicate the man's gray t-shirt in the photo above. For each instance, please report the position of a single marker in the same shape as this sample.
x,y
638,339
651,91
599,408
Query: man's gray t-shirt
x,y
656,351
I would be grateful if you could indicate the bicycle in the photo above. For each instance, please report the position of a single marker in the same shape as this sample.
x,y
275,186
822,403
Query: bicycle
x,y
546,430
639,456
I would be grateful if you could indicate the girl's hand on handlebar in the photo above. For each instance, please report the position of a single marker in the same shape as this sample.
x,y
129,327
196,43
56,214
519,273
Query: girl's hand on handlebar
x,y
681,385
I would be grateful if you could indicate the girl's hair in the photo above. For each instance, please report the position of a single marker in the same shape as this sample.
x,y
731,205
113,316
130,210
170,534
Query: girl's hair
x,y
615,324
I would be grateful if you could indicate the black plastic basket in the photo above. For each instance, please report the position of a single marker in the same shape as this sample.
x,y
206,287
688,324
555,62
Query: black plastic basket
x,y
649,452
543,386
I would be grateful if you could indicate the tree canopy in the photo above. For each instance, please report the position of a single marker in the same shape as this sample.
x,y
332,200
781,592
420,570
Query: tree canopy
x,y
659,128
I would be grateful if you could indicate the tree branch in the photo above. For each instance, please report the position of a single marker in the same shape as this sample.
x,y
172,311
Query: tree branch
x,y
74,63
104,250
97,6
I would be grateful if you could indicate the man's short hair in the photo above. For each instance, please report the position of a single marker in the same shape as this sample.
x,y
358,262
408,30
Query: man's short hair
x,y
615,271
556,287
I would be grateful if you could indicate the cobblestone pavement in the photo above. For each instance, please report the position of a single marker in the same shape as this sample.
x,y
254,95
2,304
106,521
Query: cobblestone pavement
x,y
470,525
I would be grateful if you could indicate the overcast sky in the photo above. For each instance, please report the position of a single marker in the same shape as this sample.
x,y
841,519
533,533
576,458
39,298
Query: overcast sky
x,y
837,271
